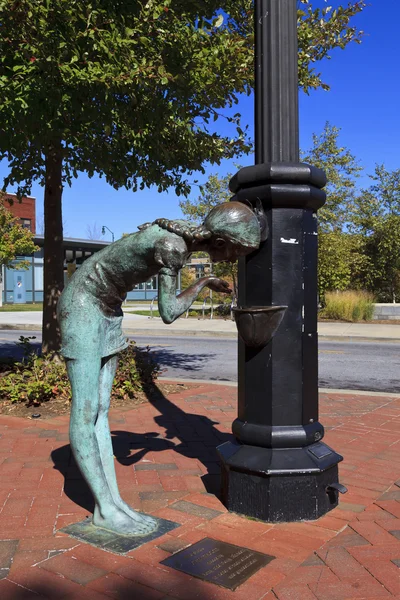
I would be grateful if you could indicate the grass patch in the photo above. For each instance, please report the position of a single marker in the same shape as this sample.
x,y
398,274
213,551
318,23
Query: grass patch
x,y
144,313
133,303
22,307
352,306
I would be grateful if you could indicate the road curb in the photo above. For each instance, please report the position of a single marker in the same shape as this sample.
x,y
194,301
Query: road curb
x,y
165,332
22,327
356,338
358,393
180,333
320,390
129,331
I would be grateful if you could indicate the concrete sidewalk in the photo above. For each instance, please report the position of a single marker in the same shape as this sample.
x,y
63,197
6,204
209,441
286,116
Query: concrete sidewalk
x,y
167,465
143,325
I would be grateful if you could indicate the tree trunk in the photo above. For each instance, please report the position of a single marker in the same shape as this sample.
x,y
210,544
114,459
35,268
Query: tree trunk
x,y
53,248
234,281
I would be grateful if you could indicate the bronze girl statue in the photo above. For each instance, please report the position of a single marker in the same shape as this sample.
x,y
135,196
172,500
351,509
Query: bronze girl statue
x,y
90,315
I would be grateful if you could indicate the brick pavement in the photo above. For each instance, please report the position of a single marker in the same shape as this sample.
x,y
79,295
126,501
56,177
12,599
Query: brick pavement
x,y
168,467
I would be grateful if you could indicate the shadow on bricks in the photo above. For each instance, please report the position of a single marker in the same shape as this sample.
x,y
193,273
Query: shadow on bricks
x,y
198,437
138,581
190,435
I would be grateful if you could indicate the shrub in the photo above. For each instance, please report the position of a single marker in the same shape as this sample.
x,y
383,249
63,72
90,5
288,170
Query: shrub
x,y
36,379
349,306
136,372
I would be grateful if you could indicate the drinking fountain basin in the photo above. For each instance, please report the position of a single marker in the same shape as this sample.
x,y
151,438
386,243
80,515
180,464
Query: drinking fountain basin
x,y
257,324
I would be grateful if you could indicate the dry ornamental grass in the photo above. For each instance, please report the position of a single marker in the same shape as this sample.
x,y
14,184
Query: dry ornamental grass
x,y
349,306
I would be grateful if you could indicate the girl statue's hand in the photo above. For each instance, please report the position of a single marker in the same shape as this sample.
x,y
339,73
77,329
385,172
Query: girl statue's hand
x,y
218,285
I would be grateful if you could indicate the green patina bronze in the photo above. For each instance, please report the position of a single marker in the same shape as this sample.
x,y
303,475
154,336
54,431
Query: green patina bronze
x,y
90,316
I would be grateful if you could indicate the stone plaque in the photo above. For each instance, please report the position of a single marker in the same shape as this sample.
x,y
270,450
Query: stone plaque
x,y
218,562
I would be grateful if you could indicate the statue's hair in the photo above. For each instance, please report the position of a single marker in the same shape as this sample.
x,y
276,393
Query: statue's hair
x,y
233,221
185,230
236,222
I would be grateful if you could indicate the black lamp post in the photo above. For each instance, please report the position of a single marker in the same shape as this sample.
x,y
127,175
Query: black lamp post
x,y
278,469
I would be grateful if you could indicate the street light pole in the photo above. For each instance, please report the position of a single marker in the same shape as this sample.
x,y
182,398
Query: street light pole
x,y
103,231
278,469
276,82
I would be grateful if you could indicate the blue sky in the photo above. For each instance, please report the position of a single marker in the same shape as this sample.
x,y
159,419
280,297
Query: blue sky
x,y
363,102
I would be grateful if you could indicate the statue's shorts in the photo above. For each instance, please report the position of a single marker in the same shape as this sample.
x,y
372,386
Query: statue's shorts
x,y
86,332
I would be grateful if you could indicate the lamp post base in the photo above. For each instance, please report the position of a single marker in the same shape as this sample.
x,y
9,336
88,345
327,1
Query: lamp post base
x,y
280,484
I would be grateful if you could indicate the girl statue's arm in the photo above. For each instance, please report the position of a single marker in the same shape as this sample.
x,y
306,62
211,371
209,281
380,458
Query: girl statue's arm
x,y
172,306
171,254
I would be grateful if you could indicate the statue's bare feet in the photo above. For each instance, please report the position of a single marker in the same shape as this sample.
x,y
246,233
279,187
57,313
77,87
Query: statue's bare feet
x,y
131,511
117,520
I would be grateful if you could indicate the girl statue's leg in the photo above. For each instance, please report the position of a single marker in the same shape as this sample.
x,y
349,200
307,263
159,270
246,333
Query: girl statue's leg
x,y
145,523
84,375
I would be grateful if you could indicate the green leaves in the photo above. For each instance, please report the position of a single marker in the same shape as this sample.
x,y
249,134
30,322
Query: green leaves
x,y
359,243
130,89
341,261
213,192
15,240
342,170
156,70
376,217
321,31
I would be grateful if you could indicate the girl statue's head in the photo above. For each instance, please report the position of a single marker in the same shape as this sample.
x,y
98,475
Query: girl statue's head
x,y
235,231
230,230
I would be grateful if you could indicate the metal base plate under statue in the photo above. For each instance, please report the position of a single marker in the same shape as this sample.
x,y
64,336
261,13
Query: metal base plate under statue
x,y
279,484
114,542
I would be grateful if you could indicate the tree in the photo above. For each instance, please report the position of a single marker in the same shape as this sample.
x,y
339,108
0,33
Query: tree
x,y
213,192
40,225
94,232
338,254
381,199
130,91
341,167
342,262
342,170
321,30
15,240
187,277
383,249
376,216
334,270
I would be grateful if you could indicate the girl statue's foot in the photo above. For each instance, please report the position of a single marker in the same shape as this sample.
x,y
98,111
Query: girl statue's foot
x,y
130,511
117,520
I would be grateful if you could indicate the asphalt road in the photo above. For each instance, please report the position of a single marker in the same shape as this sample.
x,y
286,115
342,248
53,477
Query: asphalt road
x,y
342,365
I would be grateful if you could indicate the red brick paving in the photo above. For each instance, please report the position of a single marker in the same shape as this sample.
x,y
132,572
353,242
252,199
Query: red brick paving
x,y
165,454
